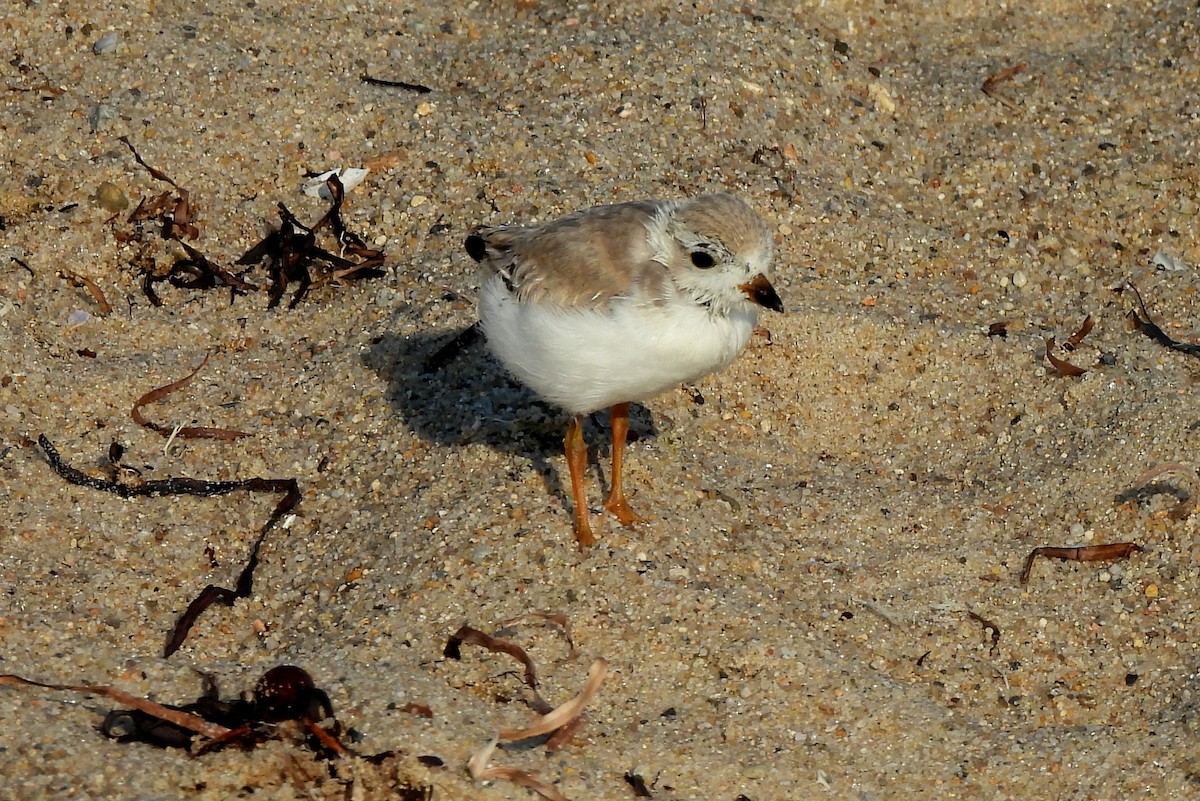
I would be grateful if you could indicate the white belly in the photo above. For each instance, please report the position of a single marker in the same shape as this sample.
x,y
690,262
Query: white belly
x,y
589,359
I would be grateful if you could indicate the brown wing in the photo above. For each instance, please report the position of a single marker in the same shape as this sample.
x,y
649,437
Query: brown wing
x,y
581,259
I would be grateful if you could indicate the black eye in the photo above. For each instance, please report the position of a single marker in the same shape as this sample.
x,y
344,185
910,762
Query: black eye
x,y
702,260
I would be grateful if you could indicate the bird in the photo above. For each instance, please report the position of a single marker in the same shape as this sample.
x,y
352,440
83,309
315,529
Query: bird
x,y
618,303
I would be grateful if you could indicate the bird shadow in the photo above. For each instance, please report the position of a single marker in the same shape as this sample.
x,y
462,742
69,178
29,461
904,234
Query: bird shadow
x,y
449,390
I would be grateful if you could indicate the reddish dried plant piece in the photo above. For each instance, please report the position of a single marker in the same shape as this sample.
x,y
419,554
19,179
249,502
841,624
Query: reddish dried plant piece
x,y
991,85
473,636
1063,366
177,717
283,693
176,215
92,288
184,432
1076,339
1085,553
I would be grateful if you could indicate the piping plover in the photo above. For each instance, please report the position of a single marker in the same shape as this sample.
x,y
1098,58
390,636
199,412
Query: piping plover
x,y
619,303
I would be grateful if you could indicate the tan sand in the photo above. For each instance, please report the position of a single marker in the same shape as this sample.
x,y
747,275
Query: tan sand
x,y
825,600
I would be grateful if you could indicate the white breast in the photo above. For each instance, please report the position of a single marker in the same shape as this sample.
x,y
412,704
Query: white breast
x,y
589,359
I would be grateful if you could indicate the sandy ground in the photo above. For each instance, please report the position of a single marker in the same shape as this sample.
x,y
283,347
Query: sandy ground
x,y
825,600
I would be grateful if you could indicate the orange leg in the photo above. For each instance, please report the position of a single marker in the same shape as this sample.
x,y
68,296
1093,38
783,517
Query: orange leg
x,y
577,465
616,503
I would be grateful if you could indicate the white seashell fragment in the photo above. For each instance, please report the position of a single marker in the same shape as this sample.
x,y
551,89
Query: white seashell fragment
x,y
349,176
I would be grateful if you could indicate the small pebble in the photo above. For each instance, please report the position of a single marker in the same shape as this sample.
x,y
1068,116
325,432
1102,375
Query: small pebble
x,y
1020,279
110,197
106,43
100,115
1151,590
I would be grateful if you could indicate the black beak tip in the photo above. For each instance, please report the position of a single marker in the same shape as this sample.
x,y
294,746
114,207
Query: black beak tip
x,y
770,300
761,292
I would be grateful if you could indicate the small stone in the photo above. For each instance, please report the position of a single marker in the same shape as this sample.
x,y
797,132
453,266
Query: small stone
x,y
881,97
106,43
110,197
1020,279
1151,590
100,115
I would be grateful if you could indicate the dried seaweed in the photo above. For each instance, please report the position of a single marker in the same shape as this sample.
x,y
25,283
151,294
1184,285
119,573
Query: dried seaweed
x,y
1063,366
211,594
174,213
1148,327
420,89
561,722
283,693
92,288
477,766
564,717
172,715
1086,553
180,432
558,619
472,636
292,249
991,86
987,624
566,713
293,252
1076,339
